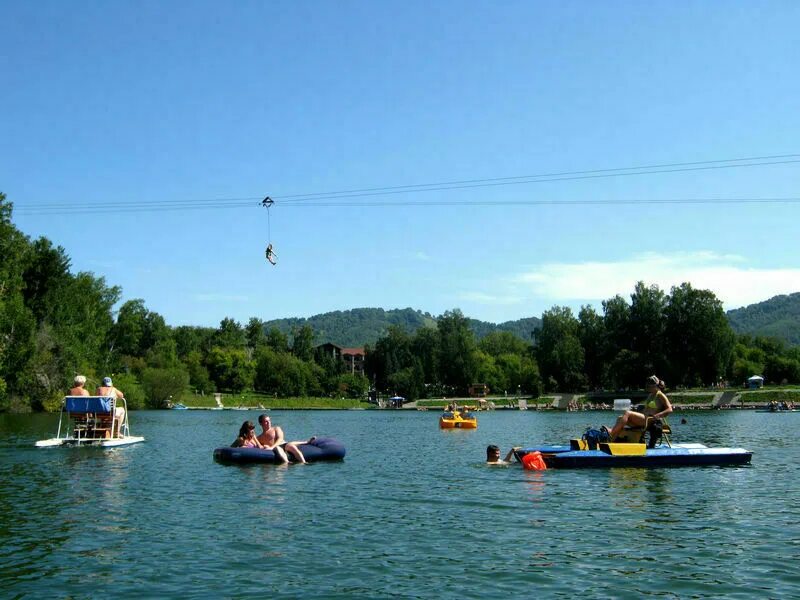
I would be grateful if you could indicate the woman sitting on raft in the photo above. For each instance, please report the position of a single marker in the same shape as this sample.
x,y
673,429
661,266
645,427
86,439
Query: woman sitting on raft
x,y
656,406
247,437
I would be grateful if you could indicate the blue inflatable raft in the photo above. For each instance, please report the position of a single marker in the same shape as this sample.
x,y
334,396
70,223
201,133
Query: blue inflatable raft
x,y
323,448
624,455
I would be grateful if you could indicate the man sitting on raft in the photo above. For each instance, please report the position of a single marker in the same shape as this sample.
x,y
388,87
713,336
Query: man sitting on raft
x,y
272,438
656,406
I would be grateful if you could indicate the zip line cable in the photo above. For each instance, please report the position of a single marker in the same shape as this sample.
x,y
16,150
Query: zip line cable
x,y
434,203
327,198
286,198
573,178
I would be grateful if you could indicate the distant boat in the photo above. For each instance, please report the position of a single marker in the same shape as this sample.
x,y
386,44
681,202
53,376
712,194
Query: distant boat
x,y
179,406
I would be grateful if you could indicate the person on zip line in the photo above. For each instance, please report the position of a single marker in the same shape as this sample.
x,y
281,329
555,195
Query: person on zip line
x,y
271,256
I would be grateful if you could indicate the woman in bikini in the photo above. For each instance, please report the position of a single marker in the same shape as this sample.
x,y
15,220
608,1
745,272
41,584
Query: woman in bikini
x,y
656,406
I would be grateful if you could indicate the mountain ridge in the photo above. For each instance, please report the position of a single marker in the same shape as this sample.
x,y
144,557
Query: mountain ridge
x,y
777,317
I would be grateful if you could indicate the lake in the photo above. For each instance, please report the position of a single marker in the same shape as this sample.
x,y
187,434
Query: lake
x,y
412,512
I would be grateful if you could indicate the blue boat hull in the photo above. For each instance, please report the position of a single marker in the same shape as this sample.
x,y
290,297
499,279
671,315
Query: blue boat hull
x,y
561,457
323,448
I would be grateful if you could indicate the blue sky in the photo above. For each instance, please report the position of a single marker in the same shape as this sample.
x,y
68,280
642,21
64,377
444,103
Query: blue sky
x,y
132,102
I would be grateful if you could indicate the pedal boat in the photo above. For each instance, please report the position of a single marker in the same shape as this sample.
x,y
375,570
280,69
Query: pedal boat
x,y
458,420
629,450
89,421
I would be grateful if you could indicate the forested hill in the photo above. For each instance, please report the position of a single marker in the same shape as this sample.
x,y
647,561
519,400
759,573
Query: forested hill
x,y
777,317
360,326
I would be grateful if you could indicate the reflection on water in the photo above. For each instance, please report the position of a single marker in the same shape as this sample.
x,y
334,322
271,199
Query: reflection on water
x,y
412,512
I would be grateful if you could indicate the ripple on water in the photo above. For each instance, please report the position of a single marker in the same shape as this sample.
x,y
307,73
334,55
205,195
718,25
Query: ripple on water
x,y
411,512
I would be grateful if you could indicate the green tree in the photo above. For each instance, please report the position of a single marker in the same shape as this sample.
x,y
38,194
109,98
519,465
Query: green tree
x,y
698,335
162,386
503,342
254,330
277,340
130,386
647,326
230,335
425,346
558,350
230,369
303,343
592,335
457,361
199,378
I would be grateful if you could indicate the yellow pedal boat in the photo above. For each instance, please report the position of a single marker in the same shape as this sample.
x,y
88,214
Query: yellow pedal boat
x,y
458,420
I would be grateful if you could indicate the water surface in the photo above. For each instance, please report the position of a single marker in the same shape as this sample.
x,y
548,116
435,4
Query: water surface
x,y
411,512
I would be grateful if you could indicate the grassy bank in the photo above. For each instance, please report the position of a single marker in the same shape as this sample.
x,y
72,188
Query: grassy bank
x,y
265,401
770,395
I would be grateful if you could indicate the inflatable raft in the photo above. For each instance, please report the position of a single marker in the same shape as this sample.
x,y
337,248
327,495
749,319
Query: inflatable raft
x,y
322,448
637,455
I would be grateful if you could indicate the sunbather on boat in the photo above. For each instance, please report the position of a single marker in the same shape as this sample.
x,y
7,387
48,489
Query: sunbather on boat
x,y
656,406
78,389
108,390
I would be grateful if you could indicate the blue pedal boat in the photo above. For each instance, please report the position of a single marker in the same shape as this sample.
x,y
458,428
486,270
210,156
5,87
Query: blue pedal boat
x,y
607,455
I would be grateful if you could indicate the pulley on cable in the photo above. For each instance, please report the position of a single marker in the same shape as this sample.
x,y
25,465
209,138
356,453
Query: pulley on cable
x,y
267,202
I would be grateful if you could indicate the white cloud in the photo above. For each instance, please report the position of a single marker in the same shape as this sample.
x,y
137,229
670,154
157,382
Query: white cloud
x,y
728,276
422,256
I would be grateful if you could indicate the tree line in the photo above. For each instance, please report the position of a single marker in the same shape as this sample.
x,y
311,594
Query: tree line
x,y
55,324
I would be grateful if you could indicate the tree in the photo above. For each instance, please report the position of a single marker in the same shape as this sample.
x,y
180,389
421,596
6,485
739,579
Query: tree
x,y
698,335
277,340
199,378
503,342
230,369
592,335
646,327
254,330
558,349
303,344
425,346
162,386
456,350
230,335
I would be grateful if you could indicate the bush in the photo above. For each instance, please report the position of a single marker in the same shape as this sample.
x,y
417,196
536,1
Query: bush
x,y
134,394
162,386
